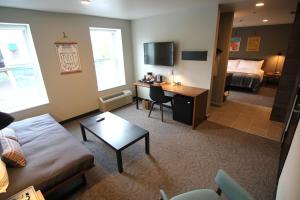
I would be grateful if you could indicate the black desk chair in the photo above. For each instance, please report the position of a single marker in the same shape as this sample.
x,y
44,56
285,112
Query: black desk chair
x,y
158,96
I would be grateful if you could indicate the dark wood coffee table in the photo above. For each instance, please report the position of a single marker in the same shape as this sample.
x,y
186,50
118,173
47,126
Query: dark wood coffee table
x,y
115,132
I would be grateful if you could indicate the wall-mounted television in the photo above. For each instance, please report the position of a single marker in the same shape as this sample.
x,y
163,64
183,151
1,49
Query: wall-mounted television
x,y
159,53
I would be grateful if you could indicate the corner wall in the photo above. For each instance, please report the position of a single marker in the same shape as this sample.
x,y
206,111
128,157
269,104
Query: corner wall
x,y
219,77
72,94
192,29
288,184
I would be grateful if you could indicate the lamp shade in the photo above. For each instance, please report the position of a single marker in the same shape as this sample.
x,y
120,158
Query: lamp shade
x,y
5,120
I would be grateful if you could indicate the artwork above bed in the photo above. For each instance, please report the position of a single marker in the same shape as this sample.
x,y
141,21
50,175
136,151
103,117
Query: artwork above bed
x,y
246,74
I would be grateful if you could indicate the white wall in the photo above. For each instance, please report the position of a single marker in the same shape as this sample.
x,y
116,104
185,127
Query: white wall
x,y
289,181
190,29
73,94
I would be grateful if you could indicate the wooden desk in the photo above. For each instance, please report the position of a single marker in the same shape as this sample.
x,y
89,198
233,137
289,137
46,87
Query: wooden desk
x,y
199,94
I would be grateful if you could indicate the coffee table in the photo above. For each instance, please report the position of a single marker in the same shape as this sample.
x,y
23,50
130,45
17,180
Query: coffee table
x,y
115,132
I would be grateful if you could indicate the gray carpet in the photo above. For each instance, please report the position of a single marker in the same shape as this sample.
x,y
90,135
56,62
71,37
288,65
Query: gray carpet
x,y
181,160
263,97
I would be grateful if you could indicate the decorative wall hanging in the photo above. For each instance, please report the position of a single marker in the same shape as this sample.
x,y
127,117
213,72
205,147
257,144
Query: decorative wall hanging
x,y
235,44
253,43
68,55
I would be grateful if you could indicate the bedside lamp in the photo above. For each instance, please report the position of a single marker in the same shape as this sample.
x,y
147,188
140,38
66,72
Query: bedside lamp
x,y
278,56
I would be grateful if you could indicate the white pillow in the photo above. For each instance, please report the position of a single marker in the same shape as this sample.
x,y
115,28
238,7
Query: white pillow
x,y
232,65
248,71
250,65
3,177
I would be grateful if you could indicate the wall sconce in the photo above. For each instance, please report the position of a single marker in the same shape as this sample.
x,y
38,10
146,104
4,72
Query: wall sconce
x,y
279,54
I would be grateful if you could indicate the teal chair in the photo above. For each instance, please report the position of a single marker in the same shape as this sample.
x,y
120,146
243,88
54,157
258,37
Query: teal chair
x,y
231,189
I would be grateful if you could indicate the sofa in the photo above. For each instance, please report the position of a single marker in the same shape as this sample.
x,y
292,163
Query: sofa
x,y
53,156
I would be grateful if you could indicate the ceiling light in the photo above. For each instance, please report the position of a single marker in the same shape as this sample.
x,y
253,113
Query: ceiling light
x,y
265,20
259,4
85,2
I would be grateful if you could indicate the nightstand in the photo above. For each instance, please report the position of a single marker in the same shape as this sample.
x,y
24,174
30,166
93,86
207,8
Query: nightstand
x,y
271,78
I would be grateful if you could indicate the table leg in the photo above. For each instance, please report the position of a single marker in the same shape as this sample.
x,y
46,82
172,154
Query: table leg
x,y
119,160
136,97
147,144
83,133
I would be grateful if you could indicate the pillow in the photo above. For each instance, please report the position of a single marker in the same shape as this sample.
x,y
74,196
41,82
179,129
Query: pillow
x,y
12,153
250,65
5,120
232,65
9,133
3,177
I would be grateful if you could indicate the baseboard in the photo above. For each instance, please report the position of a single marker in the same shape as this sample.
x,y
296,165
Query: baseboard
x,y
97,111
216,104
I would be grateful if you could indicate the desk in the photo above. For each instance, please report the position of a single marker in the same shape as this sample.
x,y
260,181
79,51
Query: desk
x,y
199,94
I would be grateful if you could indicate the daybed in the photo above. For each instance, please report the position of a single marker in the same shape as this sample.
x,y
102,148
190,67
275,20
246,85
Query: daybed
x,y
53,156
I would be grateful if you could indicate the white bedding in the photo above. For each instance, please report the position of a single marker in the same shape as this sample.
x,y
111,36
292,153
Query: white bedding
x,y
246,66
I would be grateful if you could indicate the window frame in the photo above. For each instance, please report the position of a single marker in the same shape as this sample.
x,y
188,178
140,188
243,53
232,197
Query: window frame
x,y
35,66
119,60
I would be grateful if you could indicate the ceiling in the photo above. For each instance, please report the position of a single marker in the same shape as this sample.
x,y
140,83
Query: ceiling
x,y
277,11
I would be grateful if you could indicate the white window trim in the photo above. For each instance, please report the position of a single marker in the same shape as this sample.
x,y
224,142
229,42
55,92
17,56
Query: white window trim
x,y
36,67
122,57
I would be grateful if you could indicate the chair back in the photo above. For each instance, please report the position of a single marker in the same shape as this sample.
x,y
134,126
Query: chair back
x,y
156,93
231,189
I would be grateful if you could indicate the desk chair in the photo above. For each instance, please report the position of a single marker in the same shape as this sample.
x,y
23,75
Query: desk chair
x,y
158,96
231,189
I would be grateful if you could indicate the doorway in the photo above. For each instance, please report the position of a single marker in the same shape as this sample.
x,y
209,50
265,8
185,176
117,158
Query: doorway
x,y
251,80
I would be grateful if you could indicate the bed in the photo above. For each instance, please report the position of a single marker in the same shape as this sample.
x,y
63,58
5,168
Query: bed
x,y
246,74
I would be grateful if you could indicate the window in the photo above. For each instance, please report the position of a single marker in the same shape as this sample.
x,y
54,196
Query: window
x,y
21,83
108,57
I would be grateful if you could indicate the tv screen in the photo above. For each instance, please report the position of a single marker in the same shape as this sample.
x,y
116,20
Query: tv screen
x,y
159,53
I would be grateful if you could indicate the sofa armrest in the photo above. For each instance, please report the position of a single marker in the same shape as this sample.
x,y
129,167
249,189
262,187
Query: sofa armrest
x,y
163,195
230,187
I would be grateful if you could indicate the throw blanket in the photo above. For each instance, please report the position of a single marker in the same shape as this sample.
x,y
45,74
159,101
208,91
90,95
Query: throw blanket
x,y
246,80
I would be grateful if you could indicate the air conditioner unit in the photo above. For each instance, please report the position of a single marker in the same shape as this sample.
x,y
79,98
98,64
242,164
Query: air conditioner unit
x,y
116,100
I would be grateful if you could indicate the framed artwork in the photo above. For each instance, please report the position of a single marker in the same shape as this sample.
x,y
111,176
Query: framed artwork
x,y
235,44
253,43
68,56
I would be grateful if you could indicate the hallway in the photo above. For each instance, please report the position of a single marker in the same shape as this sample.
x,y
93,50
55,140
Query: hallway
x,y
246,117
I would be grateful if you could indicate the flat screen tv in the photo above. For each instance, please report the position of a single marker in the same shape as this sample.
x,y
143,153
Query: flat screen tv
x,y
159,53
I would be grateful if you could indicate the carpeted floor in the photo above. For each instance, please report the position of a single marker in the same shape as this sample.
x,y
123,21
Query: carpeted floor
x,y
181,160
263,97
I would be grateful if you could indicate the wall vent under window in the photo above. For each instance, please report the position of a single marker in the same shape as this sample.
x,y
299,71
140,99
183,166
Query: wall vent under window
x,y
116,100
